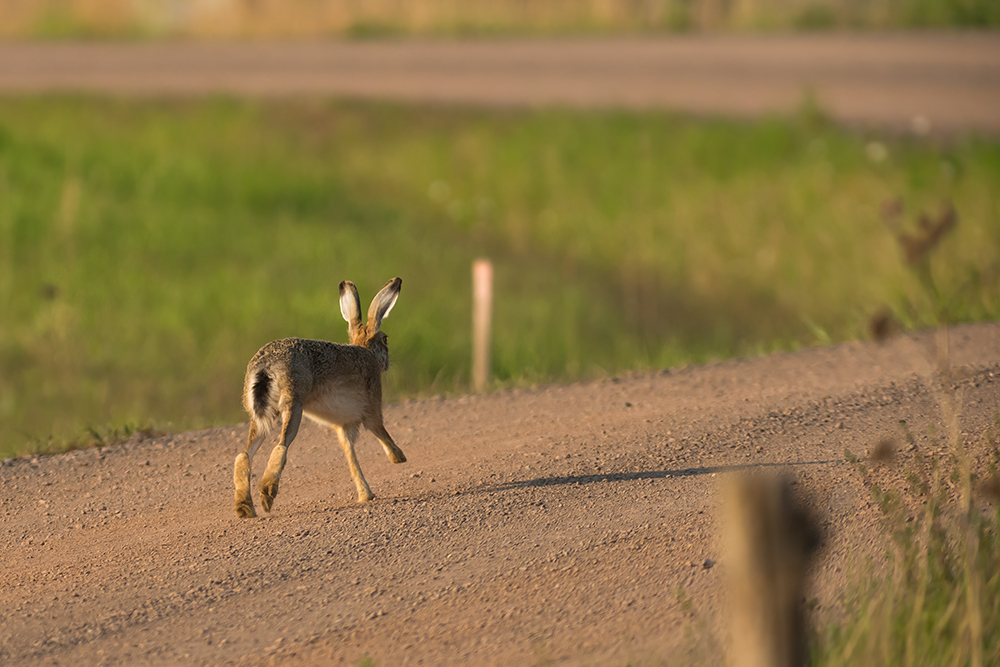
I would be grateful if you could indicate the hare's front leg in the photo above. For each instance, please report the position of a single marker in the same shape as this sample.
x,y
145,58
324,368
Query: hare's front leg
x,y
290,420
348,436
241,473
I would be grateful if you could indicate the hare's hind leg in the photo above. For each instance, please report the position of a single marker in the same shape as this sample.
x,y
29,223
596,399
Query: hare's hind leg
x,y
291,417
241,473
394,453
348,435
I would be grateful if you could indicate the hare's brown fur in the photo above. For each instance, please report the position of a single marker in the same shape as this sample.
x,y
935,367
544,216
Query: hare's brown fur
x,y
338,385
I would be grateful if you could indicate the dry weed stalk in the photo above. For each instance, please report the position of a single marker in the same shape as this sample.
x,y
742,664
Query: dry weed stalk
x,y
917,244
942,550
934,600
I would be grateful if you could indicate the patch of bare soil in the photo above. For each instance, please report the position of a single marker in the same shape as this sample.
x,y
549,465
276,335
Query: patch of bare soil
x,y
553,525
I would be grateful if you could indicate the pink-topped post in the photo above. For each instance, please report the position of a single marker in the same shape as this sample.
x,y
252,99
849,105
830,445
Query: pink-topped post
x,y
482,313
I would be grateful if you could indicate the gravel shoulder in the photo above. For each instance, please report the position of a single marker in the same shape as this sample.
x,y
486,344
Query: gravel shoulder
x,y
549,524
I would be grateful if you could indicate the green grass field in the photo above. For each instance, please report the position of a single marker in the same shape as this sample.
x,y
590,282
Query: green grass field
x,y
149,248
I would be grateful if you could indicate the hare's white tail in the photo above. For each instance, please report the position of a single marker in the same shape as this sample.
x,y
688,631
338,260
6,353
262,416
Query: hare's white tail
x,y
262,400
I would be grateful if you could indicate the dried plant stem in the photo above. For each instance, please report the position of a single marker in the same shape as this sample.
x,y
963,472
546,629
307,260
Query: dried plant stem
x,y
972,584
922,583
950,400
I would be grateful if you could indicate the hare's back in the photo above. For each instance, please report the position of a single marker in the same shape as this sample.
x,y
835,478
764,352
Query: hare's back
x,y
334,360
319,360
282,353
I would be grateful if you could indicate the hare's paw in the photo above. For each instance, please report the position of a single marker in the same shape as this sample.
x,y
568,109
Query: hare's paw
x,y
244,509
268,492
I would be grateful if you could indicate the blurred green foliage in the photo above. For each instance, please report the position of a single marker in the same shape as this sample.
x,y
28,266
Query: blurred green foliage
x,y
88,19
149,248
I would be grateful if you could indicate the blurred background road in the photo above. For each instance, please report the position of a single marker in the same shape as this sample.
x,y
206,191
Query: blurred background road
x,y
918,81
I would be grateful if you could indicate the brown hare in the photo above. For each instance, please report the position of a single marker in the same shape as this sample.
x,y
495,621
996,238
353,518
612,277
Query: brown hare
x,y
339,385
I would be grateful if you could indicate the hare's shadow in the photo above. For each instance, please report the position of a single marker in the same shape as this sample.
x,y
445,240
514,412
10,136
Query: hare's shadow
x,y
585,479
644,475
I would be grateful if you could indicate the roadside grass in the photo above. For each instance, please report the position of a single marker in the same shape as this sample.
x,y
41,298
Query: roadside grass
x,y
941,520
936,603
932,599
89,19
149,248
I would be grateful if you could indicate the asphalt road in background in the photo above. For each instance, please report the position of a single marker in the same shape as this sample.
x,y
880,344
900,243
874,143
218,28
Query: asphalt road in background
x,y
913,81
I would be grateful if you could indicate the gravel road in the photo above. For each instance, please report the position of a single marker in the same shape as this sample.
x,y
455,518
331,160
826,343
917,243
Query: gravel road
x,y
921,81
552,525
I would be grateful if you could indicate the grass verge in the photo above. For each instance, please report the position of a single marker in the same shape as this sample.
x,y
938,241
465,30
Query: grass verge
x,y
936,603
148,248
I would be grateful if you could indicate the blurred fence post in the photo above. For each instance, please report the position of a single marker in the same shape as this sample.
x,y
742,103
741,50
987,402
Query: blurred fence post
x,y
482,311
771,539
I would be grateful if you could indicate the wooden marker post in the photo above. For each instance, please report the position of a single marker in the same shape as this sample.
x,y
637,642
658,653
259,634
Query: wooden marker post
x,y
482,312
771,539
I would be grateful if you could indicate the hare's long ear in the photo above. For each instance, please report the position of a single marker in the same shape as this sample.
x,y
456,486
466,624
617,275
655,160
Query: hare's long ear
x,y
350,306
384,301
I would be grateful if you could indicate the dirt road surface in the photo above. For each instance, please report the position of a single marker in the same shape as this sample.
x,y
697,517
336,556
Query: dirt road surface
x,y
924,81
552,525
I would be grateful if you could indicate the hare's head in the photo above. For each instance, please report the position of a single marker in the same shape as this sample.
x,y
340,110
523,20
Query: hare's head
x,y
369,334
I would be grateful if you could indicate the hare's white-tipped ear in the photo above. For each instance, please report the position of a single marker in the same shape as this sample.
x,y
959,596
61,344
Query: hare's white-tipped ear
x,y
384,301
350,305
